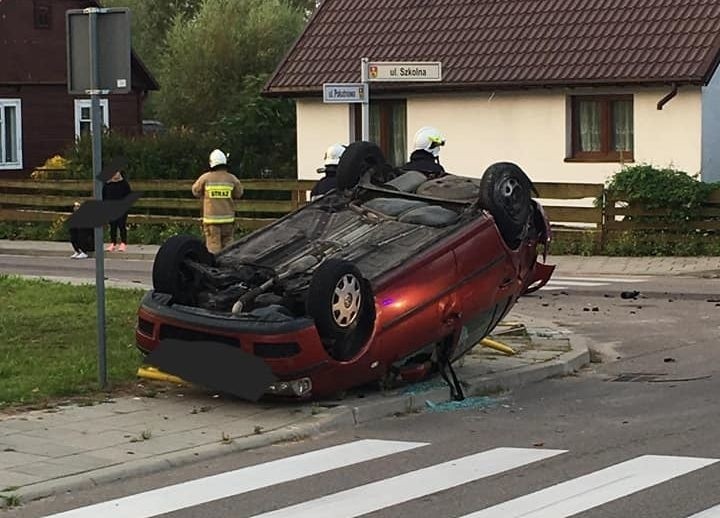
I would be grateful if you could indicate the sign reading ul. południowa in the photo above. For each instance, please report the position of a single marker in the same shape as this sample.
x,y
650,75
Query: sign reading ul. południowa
x,y
344,92
420,71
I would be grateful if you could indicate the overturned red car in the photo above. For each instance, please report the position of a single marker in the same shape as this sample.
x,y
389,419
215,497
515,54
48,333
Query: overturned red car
x,y
392,276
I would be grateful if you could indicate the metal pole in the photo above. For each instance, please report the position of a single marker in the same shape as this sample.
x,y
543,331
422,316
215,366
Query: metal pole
x,y
96,129
366,101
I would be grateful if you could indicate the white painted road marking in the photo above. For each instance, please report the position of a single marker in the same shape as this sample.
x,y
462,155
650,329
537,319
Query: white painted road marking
x,y
713,512
563,283
583,493
598,279
415,484
207,489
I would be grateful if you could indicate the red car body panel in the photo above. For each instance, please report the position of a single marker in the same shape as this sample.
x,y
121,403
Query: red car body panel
x,y
469,279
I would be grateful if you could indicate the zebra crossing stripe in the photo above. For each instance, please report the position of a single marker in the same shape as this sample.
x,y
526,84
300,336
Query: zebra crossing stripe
x,y
415,484
565,282
597,279
583,493
207,489
713,512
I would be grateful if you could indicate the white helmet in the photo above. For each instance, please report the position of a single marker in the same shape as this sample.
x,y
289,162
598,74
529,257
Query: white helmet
x,y
429,139
333,154
217,157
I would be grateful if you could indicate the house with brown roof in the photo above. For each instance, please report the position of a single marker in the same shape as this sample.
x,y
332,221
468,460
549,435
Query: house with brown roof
x,y
569,90
38,118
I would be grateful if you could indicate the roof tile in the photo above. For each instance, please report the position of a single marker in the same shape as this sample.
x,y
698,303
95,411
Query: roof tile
x,y
510,42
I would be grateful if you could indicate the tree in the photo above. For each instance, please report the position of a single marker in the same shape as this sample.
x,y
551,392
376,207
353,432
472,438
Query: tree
x,y
151,21
212,70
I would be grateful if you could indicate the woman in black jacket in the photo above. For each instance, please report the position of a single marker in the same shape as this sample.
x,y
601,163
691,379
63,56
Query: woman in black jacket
x,y
117,188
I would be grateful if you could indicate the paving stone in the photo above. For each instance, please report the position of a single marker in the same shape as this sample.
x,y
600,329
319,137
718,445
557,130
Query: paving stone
x,y
13,479
66,466
85,441
120,453
542,356
9,459
39,446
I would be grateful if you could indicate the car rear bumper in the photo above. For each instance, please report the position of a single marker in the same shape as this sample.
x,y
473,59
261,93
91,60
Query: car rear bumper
x,y
292,348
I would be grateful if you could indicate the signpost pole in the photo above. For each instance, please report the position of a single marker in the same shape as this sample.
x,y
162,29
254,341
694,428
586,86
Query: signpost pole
x,y
96,130
366,100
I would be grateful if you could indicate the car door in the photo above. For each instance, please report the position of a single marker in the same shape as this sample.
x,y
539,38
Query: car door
x,y
487,279
419,305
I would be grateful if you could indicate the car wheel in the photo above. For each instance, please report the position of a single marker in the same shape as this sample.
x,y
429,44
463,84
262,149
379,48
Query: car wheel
x,y
170,272
505,191
355,161
341,303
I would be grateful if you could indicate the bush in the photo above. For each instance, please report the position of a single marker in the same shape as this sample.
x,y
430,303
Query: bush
x,y
681,194
176,154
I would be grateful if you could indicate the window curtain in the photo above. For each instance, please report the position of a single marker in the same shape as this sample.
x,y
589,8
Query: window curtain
x,y
398,132
589,122
623,125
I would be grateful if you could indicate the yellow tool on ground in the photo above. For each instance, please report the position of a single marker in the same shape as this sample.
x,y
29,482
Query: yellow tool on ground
x,y
155,374
498,346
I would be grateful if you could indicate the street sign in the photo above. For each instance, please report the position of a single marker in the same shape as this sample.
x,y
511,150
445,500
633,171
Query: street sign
x,y
98,63
344,92
113,51
420,71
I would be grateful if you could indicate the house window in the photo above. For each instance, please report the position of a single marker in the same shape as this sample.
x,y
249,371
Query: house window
x,y
83,115
10,134
388,128
602,128
42,14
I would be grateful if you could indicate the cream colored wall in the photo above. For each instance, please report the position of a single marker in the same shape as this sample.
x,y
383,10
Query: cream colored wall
x,y
531,129
318,126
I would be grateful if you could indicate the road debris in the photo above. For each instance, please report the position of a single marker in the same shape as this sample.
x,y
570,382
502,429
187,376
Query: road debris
x,y
630,294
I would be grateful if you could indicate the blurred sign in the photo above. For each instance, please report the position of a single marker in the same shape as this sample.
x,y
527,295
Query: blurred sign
x,y
112,51
400,71
344,92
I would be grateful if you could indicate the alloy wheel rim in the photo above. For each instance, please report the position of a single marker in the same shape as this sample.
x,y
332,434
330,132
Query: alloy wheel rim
x,y
346,300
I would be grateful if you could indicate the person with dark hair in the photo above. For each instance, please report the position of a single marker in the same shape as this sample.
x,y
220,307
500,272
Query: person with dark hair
x,y
117,188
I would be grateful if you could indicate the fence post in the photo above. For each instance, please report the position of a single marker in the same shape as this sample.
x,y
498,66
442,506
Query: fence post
x,y
608,217
298,198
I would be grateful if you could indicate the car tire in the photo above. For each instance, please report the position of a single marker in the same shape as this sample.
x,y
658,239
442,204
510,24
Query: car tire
x,y
170,275
505,191
355,161
340,302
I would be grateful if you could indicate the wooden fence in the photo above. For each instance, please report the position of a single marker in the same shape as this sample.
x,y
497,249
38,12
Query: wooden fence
x,y
568,205
162,201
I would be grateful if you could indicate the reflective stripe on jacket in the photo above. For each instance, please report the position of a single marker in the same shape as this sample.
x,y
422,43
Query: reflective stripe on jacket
x,y
219,190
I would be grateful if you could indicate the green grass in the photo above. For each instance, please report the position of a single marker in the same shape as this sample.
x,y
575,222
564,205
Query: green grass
x,y
48,340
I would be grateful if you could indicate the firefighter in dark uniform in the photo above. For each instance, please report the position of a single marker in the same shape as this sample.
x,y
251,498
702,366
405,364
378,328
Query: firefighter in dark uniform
x,y
329,181
426,153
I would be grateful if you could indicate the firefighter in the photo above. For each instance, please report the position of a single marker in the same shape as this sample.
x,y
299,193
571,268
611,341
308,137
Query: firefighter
x,y
219,189
329,181
426,153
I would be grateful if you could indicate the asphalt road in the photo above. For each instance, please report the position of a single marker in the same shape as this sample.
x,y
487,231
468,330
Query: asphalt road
x,y
123,270
635,434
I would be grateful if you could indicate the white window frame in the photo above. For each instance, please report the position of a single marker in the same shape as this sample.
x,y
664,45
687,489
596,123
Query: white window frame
x,y
87,103
17,104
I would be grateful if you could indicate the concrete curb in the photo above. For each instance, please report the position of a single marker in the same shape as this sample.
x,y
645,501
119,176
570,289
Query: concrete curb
x,y
338,418
10,250
141,467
